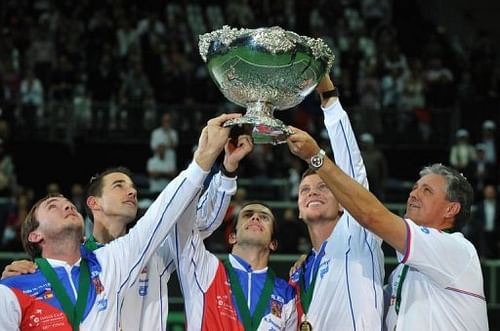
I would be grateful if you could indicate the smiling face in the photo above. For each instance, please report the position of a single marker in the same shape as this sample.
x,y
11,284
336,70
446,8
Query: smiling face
x,y
428,204
316,201
255,226
119,197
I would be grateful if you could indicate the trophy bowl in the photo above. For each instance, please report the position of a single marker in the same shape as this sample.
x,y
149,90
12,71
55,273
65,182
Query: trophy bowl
x,y
264,70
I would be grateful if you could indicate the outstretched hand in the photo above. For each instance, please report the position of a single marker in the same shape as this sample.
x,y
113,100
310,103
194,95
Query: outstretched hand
x,y
302,144
236,151
213,138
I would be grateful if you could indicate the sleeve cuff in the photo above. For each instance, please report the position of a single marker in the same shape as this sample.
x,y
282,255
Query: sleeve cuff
x,y
334,112
195,174
228,184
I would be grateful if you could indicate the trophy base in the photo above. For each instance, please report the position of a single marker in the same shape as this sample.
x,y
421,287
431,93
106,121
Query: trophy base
x,y
264,130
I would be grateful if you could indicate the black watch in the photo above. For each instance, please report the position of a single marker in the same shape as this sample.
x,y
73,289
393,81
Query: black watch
x,y
330,94
225,172
316,161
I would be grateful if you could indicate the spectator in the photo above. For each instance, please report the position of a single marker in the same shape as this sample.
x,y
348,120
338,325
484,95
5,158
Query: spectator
x,y
77,196
488,220
488,139
161,168
439,84
369,91
134,92
103,88
375,164
32,101
11,240
482,171
8,185
165,134
412,102
462,152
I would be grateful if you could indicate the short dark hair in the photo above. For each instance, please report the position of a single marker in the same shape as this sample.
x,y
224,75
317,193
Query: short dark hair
x,y
95,185
30,224
275,223
458,189
308,172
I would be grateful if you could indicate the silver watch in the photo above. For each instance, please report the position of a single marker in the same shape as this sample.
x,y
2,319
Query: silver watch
x,y
317,160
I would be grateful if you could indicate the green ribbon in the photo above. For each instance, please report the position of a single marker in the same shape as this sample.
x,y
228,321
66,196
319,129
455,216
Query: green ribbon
x,y
91,244
306,294
250,322
400,287
74,313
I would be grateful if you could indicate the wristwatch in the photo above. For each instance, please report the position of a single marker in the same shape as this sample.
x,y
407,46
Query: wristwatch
x,y
328,94
316,160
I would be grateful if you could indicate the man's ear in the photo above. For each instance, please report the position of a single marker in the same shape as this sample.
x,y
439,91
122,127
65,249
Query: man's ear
x,y
273,246
232,238
35,237
453,209
92,202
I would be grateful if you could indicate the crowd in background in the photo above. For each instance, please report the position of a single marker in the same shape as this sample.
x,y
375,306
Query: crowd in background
x,y
87,68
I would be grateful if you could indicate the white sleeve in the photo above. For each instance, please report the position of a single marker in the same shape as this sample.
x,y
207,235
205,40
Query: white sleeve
x,y
439,255
196,265
210,212
10,311
213,204
127,256
344,146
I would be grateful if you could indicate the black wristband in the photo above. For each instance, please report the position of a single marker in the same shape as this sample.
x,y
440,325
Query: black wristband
x,y
330,94
230,174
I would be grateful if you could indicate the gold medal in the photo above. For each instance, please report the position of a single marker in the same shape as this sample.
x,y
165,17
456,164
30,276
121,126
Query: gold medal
x,y
305,326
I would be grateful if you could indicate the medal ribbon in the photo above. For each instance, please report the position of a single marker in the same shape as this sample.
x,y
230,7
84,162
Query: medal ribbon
x,y
250,322
306,294
400,287
91,244
74,313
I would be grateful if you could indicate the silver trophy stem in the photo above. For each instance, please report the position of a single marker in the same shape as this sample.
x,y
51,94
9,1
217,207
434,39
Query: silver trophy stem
x,y
265,129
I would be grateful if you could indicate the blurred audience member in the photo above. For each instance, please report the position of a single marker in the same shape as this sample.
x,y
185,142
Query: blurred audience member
x,y
482,171
488,219
165,134
103,88
32,101
462,153
77,196
369,100
8,185
438,84
53,188
488,139
375,163
11,239
161,168
134,92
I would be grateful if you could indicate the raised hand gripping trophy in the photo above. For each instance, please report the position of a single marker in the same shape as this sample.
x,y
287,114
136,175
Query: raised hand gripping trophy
x,y
264,69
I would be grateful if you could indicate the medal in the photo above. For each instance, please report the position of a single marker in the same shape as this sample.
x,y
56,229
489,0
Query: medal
x,y
305,326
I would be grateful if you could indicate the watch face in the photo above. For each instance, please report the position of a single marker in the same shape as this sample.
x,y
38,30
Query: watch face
x,y
316,161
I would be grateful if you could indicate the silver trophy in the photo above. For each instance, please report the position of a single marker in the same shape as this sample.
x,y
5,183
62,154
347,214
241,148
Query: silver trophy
x,y
263,70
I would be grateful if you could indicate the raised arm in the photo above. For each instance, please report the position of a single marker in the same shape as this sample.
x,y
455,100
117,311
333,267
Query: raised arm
x,y
361,204
151,230
345,148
